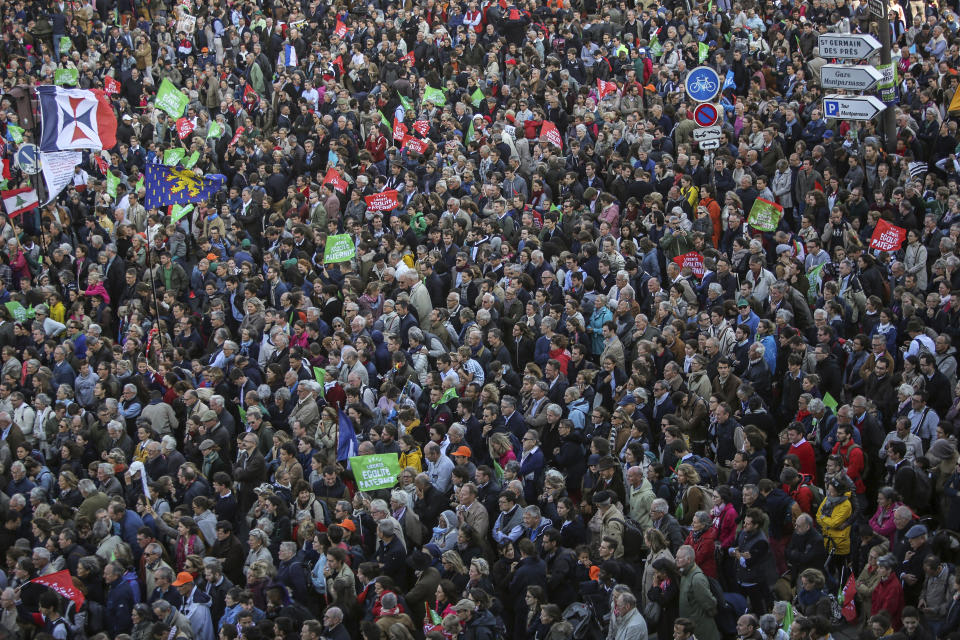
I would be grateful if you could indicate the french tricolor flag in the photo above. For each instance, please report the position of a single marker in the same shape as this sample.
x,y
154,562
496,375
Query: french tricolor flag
x,y
287,57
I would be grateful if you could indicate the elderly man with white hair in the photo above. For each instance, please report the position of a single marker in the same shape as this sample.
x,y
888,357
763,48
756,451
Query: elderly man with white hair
x,y
350,364
419,296
306,411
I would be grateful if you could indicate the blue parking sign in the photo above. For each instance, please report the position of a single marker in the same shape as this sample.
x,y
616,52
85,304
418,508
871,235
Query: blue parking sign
x,y
702,84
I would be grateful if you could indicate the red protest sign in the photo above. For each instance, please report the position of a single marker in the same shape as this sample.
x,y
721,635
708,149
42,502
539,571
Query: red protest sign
x,y
693,260
414,144
605,88
184,127
62,583
341,29
333,179
110,85
887,237
383,201
236,136
550,132
422,127
399,131
412,59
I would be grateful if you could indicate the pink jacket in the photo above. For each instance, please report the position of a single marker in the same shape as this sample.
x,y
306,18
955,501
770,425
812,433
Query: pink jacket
x,y
98,290
882,522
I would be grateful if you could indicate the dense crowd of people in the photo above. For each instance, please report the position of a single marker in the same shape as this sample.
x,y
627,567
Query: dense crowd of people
x,y
619,409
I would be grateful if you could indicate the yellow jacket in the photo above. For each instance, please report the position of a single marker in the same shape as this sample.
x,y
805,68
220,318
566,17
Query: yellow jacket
x,y
412,458
835,527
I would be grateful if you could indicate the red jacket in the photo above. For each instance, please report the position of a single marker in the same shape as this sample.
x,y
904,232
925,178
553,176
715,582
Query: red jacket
x,y
854,461
888,595
705,548
808,458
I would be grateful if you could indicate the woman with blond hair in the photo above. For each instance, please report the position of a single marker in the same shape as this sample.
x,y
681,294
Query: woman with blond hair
x,y
501,449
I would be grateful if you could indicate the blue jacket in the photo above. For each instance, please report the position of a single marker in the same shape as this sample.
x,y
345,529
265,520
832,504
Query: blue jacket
x,y
119,603
531,471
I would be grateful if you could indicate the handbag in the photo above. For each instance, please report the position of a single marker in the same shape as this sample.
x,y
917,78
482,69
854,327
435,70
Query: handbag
x,y
651,613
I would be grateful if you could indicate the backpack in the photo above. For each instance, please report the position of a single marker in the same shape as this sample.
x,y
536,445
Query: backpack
x,y
95,617
726,616
706,469
816,499
632,536
866,459
923,490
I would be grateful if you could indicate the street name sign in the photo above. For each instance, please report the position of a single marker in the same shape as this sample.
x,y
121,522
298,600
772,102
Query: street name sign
x,y
847,46
860,77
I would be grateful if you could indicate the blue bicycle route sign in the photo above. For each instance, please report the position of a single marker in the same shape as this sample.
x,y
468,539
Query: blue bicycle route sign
x,y
702,84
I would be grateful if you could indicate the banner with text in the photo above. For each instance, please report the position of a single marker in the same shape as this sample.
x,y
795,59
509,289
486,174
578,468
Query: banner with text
x,y
887,237
375,471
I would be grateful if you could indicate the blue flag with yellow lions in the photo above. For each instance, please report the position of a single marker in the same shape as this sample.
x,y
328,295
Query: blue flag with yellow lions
x,y
169,185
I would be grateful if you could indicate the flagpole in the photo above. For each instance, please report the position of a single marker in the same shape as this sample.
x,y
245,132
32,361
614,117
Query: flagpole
x,y
153,283
39,175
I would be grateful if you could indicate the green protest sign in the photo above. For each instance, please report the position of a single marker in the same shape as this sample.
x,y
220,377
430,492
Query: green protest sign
x,y
66,76
192,160
830,401
18,312
435,96
703,50
321,376
171,99
16,133
65,44
764,215
813,280
375,471
216,130
172,156
112,183
139,185
407,105
476,98
178,212
339,248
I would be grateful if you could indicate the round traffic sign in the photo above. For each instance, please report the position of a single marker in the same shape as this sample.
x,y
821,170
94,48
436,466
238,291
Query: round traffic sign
x,y
706,114
27,159
702,84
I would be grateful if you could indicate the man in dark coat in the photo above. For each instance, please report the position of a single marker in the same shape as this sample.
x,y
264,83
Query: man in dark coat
x,y
561,567
425,589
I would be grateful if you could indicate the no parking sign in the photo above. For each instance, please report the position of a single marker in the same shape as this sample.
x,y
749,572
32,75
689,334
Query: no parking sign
x,y
706,114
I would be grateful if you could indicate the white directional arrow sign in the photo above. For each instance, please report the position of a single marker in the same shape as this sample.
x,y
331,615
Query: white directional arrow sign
x,y
859,77
852,107
848,46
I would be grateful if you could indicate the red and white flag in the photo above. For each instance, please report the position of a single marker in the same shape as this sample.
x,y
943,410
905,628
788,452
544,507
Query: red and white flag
x,y
341,29
184,127
18,201
412,59
236,136
399,131
62,583
551,134
333,179
849,609
110,85
887,237
693,260
383,201
422,127
605,88
413,144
